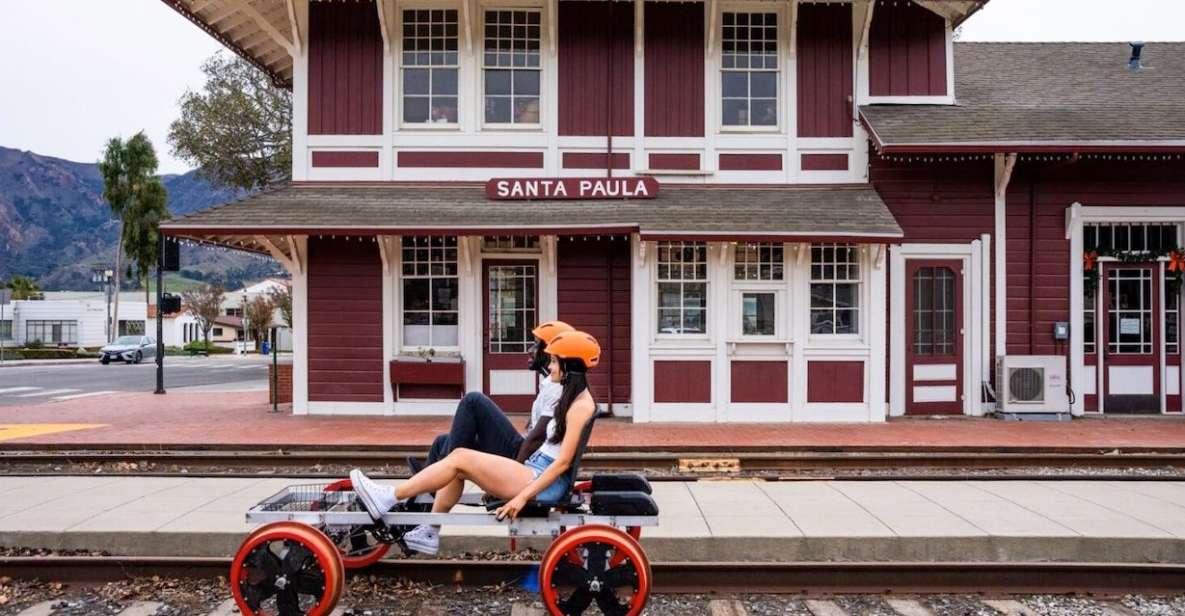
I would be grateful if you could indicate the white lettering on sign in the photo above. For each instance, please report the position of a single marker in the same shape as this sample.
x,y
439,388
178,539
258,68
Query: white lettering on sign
x,y
572,188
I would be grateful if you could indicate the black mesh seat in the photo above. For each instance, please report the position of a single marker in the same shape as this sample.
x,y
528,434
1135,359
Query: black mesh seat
x,y
537,508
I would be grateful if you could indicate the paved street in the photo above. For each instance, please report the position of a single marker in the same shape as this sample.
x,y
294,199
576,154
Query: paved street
x,y
34,384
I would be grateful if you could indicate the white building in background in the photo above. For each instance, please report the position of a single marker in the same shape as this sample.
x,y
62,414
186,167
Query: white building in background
x,y
71,318
182,328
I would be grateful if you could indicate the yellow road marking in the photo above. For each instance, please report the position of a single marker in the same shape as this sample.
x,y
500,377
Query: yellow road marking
x,y
9,432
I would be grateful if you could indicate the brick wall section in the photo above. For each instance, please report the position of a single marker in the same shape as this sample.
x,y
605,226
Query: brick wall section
x,y
281,381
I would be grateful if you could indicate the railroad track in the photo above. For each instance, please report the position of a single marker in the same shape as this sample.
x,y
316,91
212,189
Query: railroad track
x,y
814,578
771,464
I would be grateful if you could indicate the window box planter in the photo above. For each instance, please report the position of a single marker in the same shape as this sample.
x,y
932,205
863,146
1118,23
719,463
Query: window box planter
x,y
418,371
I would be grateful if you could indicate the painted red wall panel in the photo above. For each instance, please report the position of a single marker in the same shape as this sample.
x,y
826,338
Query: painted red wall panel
x,y
594,160
689,162
345,69
906,51
835,381
337,158
760,381
674,69
682,381
825,70
596,67
824,162
458,160
750,162
587,296
345,310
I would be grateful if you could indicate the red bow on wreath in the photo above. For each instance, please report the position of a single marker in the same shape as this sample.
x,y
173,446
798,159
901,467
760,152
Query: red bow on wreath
x,y
1089,258
1176,261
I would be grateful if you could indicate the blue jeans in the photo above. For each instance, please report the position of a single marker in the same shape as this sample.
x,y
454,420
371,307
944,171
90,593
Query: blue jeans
x,y
539,462
480,425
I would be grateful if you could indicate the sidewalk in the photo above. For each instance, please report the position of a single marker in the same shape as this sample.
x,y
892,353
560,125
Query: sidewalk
x,y
243,420
992,521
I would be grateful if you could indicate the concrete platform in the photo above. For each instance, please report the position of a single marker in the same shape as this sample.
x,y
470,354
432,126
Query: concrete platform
x,y
1009,521
242,420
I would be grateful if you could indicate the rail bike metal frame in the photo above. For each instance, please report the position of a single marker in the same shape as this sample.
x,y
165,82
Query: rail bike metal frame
x,y
341,508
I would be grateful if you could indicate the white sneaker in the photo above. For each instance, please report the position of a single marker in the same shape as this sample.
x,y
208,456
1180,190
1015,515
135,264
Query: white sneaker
x,y
377,498
424,539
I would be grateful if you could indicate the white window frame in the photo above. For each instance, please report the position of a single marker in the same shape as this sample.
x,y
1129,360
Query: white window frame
x,y
399,68
406,348
861,284
740,287
707,282
480,64
785,59
66,324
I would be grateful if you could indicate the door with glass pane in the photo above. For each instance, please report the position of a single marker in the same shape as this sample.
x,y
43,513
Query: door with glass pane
x,y
1131,353
511,312
934,336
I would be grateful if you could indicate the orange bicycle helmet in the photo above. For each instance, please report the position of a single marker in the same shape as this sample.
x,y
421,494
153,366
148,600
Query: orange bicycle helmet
x,y
548,330
576,345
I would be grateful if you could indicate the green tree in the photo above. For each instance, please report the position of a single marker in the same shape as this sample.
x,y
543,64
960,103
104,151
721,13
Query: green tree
x,y
22,287
205,304
238,129
137,197
258,318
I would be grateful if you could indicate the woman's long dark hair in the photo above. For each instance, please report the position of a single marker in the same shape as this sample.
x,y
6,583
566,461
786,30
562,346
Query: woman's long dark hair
x,y
575,383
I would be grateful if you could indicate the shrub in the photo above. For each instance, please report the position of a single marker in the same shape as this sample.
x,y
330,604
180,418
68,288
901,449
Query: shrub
x,y
198,346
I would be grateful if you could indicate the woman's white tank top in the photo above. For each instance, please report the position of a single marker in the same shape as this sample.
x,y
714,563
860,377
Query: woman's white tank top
x,y
548,448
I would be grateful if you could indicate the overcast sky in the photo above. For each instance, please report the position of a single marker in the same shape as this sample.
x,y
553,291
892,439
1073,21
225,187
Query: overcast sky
x,y
76,72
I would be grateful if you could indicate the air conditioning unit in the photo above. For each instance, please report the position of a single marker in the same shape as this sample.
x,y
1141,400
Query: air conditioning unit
x,y
1031,384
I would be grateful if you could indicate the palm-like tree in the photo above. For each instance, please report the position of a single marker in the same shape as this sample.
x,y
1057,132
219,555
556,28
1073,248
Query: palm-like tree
x,y
22,287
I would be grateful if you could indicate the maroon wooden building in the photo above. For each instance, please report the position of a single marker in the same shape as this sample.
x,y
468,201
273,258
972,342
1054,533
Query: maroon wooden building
x,y
770,211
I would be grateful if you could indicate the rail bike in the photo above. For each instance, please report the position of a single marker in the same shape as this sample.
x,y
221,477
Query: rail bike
x,y
295,563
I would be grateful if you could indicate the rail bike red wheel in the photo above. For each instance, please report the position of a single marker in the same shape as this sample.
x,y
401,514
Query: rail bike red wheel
x,y
286,569
358,546
595,564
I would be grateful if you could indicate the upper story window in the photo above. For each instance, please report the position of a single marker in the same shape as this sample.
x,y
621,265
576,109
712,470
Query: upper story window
x,y
835,289
749,69
511,66
510,243
429,65
430,291
682,287
1130,237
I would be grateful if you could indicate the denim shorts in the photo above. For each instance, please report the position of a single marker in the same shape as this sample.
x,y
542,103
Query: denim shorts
x,y
558,488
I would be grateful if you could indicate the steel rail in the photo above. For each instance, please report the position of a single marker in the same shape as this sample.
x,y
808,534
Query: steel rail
x,y
594,461
1094,578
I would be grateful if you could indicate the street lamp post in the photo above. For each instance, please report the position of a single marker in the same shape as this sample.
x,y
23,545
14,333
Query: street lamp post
x,y
103,276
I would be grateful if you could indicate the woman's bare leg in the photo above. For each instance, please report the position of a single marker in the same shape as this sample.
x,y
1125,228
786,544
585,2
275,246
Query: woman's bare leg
x,y
448,496
502,477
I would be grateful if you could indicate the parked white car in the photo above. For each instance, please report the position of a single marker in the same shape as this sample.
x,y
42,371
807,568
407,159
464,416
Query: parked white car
x,y
129,349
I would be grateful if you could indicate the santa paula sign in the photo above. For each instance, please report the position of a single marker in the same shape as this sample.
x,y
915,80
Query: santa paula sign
x,y
518,189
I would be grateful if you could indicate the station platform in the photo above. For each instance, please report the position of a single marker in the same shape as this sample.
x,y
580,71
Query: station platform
x,y
923,521
242,420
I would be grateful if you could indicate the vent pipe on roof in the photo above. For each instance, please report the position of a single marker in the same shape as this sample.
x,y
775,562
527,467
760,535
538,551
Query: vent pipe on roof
x,y
1134,64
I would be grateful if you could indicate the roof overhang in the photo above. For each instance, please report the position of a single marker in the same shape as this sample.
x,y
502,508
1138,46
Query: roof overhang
x,y
1021,146
266,33
261,223
956,11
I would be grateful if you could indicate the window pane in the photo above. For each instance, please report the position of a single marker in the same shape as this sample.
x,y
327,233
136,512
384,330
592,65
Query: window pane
x,y
822,321
444,81
444,110
764,112
415,294
764,84
497,82
735,84
526,110
526,82
497,109
415,80
734,112
757,314
415,109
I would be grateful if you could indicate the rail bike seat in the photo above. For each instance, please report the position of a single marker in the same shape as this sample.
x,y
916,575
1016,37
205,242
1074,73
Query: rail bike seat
x,y
540,508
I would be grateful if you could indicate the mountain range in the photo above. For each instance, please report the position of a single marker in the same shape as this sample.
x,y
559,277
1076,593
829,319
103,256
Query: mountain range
x,y
55,226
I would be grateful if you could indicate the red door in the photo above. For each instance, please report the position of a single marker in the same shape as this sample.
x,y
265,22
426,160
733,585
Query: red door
x,y
511,290
934,337
1132,372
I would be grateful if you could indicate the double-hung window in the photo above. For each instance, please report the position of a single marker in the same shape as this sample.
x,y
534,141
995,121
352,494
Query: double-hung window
x,y
682,287
428,65
430,291
749,69
511,66
759,271
835,289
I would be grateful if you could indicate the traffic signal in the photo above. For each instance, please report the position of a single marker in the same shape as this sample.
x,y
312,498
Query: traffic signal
x,y
170,303
170,258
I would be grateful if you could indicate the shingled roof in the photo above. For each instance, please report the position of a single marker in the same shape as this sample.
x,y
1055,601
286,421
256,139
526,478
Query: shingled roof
x,y
842,211
1043,96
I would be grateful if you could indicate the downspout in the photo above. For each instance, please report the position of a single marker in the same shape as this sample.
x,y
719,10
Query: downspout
x,y
1032,260
609,112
